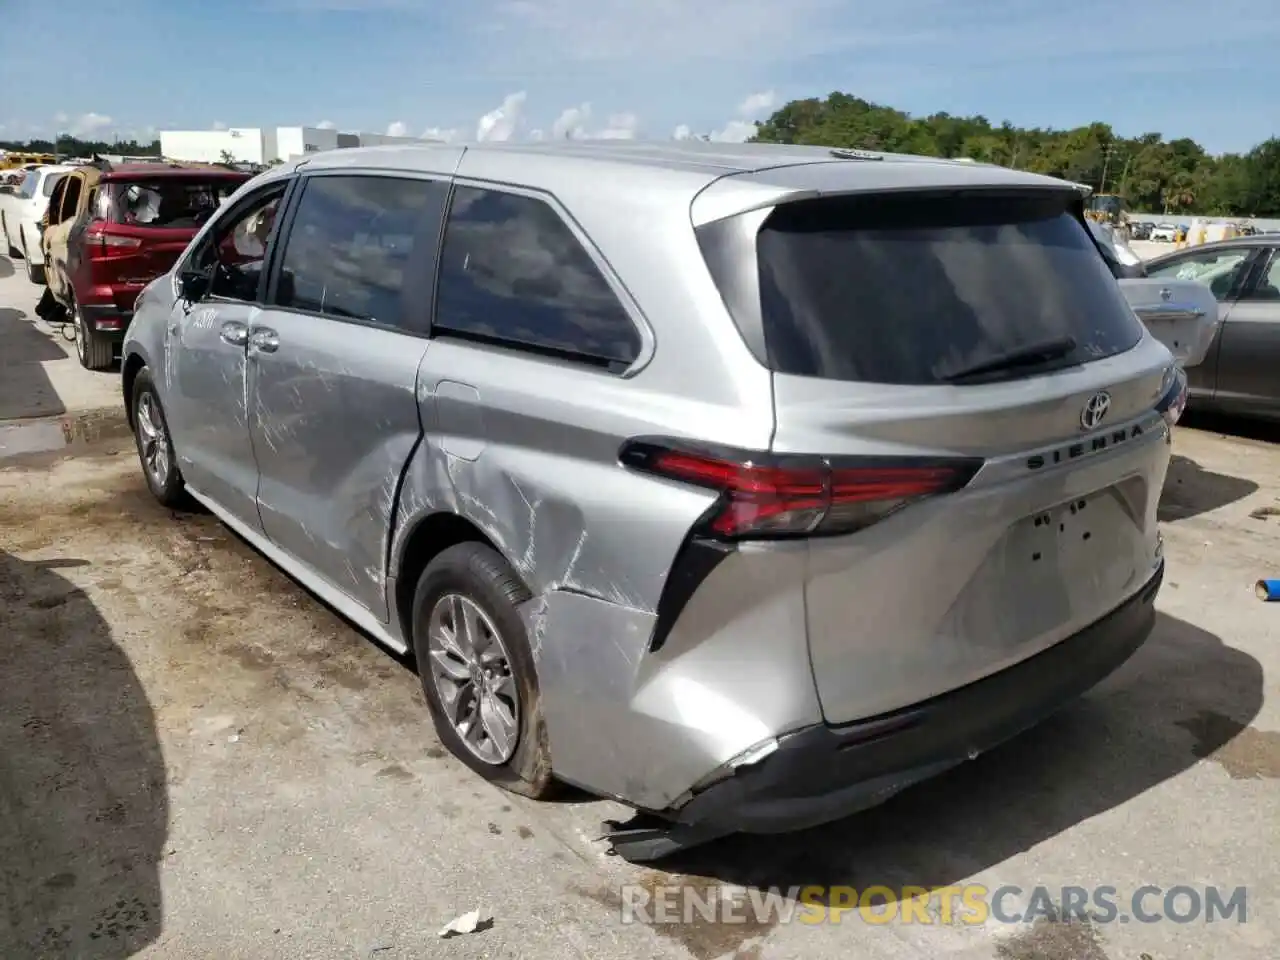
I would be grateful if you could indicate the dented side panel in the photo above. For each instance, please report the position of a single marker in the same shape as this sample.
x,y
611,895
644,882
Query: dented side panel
x,y
527,450
334,418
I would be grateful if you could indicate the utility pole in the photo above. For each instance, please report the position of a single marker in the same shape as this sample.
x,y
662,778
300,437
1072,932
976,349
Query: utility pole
x,y
1107,153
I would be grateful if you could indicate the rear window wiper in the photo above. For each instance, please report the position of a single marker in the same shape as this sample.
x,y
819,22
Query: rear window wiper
x,y
1028,356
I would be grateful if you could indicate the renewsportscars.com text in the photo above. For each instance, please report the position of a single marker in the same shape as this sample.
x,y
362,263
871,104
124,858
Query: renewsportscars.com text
x,y
973,904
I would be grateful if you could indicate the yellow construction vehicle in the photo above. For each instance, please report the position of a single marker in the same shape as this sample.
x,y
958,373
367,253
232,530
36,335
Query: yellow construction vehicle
x,y
1106,208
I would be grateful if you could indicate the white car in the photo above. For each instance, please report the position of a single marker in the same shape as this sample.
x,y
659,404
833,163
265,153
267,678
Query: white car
x,y
20,214
1164,233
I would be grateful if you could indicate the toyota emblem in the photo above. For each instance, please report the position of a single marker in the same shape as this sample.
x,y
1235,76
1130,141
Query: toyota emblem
x,y
1095,410
1166,294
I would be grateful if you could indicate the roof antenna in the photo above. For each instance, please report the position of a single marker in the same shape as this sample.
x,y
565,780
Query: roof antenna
x,y
842,154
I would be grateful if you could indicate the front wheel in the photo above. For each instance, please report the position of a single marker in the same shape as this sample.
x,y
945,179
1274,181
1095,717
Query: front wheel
x,y
155,446
477,669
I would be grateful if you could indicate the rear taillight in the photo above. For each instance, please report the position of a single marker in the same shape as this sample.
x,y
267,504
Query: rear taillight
x,y
1173,400
100,243
771,496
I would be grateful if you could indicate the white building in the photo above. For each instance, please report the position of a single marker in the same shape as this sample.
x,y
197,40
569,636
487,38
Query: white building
x,y
262,145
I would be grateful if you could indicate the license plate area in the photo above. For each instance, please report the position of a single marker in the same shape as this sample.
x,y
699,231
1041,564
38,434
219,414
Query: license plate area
x,y
1065,530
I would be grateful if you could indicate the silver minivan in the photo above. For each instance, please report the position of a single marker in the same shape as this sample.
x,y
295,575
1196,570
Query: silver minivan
x,y
744,484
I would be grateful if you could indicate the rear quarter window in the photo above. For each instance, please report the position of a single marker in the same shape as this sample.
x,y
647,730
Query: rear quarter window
x,y
907,290
513,273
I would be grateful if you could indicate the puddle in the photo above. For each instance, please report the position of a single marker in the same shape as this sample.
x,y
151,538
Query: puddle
x,y
45,436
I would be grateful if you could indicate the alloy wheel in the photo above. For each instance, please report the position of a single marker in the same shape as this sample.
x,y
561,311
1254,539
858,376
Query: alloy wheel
x,y
154,441
472,673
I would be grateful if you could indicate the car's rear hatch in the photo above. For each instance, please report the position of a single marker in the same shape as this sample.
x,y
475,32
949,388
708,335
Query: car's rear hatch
x,y
142,225
985,403
1181,314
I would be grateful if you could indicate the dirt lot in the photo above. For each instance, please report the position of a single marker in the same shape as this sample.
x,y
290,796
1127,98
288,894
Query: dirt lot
x,y
198,760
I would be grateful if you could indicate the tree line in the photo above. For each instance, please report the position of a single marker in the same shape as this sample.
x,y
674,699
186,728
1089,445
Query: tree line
x,y
74,147
1152,174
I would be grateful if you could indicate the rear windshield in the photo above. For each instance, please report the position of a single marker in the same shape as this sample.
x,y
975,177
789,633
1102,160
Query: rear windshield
x,y
913,290
170,203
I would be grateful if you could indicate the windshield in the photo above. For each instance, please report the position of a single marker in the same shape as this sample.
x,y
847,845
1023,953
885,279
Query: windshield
x,y
171,202
901,290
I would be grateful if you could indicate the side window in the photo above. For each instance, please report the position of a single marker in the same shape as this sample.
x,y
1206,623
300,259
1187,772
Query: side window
x,y
512,272
234,253
1267,286
55,202
92,205
1220,269
70,199
360,247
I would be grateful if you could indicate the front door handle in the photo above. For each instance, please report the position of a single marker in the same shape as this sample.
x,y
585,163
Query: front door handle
x,y
236,334
264,339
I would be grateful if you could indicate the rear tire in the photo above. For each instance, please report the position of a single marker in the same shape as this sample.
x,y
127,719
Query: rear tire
x,y
35,271
155,445
95,351
471,582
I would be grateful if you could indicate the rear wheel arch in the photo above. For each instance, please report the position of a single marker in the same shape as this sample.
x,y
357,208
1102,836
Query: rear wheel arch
x,y
432,535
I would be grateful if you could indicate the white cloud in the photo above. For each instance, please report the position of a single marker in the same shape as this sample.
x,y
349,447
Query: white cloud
x,y
757,103
326,125
735,131
436,133
537,135
219,125
572,122
622,126
503,122
397,128
88,124
60,118
740,128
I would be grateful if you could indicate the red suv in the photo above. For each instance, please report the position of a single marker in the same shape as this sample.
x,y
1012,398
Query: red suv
x,y
133,223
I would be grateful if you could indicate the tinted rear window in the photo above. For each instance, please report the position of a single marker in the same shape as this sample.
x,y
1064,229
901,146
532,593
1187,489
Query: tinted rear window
x,y
171,202
910,290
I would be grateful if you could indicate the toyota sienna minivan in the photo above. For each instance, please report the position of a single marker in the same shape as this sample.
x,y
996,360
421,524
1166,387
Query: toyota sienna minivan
x,y
744,484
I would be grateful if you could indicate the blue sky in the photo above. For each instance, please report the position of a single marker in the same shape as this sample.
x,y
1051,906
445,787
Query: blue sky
x,y
635,67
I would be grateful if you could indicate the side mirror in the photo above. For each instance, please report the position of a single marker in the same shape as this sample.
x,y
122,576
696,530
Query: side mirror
x,y
193,285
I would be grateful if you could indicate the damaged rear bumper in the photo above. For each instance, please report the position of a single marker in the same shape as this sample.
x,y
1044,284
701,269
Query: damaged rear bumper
x,y
822,773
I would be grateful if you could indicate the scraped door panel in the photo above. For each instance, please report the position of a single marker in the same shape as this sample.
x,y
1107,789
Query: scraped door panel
x,y
334,418
204,376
